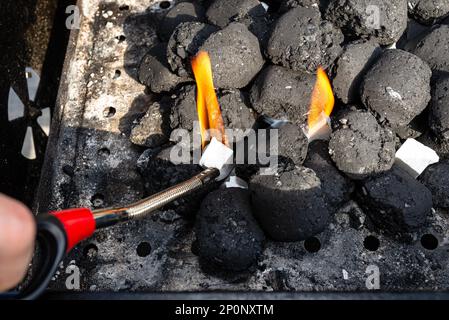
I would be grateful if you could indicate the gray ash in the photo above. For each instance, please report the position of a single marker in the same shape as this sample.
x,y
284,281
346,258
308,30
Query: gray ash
x,y
227,234
290,206
181,12
336,187
395,201
301,40
397,87
184,43
385,20
154,71
439,111
431,48
436,179
235,56
249,12
361,147
351,66
281,93
428,11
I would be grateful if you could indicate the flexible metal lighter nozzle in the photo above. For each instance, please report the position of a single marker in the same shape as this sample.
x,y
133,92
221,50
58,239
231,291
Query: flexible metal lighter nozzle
x,y
110,216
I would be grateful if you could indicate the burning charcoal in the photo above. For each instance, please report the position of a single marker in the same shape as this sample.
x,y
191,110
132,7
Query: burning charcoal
x,y
360,146
184,44
159,173
356,59
434,50
397,87
336,187
385,20
301,40
292,146
395,201
249,12
281,93
439,112
289,206
436,178
154,71
235,56
428,11
228,235
152,130
181,12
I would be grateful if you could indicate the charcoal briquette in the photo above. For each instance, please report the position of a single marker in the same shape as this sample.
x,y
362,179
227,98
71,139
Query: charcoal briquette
x,y
292,146
227,234
361,147
291,205
428,11
436,179
395,201
235,56
439,110
397,87
301,40
433,48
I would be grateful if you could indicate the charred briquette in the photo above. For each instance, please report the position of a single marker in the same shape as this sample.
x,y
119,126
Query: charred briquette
x,y
434,50
359,146
184,43
235,56
439,111
181,12
292,146
395,201
228,235
385,20
301,40
249,12
283,94
428,11
349,68
291,205
436,178
155,73
397,87
153,129
159,173
336,187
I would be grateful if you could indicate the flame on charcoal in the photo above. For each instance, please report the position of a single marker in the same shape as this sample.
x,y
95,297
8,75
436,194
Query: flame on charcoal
x,y
208,108
321,105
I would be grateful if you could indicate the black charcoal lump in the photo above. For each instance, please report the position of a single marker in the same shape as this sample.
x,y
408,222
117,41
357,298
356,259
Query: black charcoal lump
x,y
336,187
436,178
184,43
439,111
292,145
290,206
249,12
397,87
235,56
154,71
359,146
395,201
181,12
428,11
349,68
301,40
386,20
283,94
434,48
228,236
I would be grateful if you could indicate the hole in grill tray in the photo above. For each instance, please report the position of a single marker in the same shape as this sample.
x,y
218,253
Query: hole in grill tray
x,y
143,249
312,245
90,251
164,5
124,7
109,112
429,242
97,200
371,243
117,74
104,152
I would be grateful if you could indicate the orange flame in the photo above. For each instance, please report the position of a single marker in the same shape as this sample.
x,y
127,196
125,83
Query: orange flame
x,y
321,103
209,113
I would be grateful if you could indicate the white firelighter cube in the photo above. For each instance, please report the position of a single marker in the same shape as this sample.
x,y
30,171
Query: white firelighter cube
x,y
414,157
217,155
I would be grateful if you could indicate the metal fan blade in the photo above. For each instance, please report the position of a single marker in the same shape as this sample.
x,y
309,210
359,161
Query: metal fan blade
x,y
33,80
28,149
16,108
44,120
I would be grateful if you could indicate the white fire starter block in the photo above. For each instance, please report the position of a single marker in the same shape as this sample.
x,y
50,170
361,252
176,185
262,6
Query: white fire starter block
x,y
414,157
217,155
